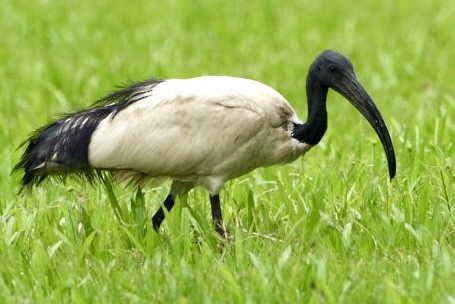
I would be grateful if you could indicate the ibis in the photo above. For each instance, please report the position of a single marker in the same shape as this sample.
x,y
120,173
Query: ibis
x,y
197,132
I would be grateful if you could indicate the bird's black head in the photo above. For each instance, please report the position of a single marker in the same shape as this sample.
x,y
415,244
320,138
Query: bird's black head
x,y
330,68
335,71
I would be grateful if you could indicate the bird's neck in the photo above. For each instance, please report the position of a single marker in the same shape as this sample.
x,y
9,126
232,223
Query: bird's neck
x,y
314,128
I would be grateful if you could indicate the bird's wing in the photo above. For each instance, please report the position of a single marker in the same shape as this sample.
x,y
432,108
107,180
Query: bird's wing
x,y
180,132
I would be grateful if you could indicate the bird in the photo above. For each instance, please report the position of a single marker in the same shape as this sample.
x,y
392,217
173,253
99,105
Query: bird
x,y
196,132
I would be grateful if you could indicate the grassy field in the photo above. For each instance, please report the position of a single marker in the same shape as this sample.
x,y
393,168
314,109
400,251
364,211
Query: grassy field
x,y
329,228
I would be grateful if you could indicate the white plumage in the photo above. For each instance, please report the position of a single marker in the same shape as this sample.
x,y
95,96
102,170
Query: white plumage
x,y
201,131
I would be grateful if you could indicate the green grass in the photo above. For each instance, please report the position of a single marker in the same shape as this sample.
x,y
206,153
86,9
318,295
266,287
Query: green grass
x,y
328,228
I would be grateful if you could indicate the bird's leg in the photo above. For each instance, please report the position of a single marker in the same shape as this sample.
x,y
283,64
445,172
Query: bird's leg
x,y
158,217
217,217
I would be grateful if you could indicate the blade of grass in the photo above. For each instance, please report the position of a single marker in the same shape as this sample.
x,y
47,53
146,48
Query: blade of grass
x,y
113,199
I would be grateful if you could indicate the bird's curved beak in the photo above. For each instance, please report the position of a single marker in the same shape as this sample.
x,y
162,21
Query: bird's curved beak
x,y
353,90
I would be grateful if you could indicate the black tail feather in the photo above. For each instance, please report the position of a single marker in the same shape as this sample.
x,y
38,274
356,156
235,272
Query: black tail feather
x,y
61,147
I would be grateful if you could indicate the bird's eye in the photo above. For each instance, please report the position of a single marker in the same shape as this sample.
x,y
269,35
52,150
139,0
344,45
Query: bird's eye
x,y
332,68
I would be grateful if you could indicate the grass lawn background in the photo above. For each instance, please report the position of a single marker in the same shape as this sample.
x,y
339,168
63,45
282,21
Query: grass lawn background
x,y
329,227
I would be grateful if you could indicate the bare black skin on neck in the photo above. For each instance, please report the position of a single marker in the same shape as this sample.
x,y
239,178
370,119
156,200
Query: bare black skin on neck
x,y
312,131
